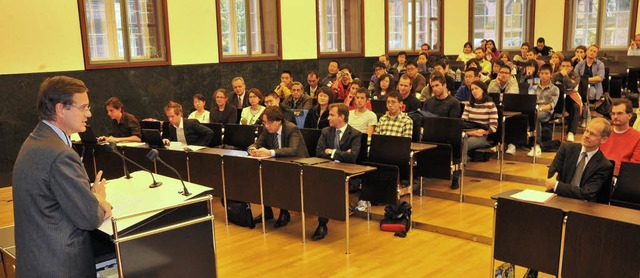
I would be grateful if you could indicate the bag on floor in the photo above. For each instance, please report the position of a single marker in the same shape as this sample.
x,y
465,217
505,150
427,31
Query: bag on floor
x,y
239,213
505,270
397,219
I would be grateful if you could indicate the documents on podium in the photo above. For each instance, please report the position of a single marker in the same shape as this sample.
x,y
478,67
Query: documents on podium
x,y
130,196
534,196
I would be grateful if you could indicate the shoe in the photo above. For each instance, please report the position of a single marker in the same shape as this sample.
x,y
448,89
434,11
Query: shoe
x,y
320,232
536,149
570,137
362,205
283,219
531,273
258,219
511,149
455,183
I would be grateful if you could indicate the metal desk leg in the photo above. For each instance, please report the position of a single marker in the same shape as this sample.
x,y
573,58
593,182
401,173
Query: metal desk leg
x,y
224,196
564,230
264,229
411,161
493,245
304,231
346,210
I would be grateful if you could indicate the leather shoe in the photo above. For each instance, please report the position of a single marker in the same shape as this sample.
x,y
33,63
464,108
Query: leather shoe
x,y
258,219
283,219
320,232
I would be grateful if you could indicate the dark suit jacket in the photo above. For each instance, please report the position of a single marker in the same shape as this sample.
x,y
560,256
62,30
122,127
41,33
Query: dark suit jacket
x,y
54,209
233,99
194,132
596,173
292,142
350,140
228,116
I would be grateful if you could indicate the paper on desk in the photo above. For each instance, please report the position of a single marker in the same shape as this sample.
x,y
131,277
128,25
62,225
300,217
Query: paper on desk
x,y
131,144
535,196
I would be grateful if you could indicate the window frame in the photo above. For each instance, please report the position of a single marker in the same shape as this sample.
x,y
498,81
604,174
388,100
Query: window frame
x,y
130,63
441,19
340,53
529,25
569,5
248,58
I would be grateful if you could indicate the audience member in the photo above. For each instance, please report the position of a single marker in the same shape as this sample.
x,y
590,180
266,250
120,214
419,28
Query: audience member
x,y
522,57
485,66
201,114
284,88
341,86
312,84
223,112
418,81
350,101
252,113
272,99
634,47
463,94
567,80
506,59
383,86
505,83
421,62
298,99
339,142
546,99
531,55
541,48
185,131
554,62
481,110
362,118
530,74
474,64
318,116
592,68
580,54
400,66
395,122
442,68
124,126
384,58
442,104
411,103
492,52
331,77
623,144
378,70
467,53
279,138
239,96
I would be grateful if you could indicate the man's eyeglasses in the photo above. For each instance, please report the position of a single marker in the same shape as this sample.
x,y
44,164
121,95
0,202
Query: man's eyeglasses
x,y
83,108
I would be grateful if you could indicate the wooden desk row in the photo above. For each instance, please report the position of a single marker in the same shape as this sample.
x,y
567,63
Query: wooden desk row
x,y
567,237
277,182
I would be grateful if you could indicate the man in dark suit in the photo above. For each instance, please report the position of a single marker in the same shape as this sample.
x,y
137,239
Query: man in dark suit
x,y
55,208
279,138
239,99
580,171
185,131
339,141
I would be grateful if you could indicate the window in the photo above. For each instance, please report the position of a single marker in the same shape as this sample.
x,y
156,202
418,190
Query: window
x,y
504,21
123,33
339,27
607,23
411,23
248,29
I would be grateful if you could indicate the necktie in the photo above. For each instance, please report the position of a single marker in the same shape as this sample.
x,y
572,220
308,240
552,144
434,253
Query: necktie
x,y
276,142
336,141
239,103
577,175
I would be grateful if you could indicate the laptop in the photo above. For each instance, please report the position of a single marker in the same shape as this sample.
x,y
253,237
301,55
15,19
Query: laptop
x,y
88,137
153,138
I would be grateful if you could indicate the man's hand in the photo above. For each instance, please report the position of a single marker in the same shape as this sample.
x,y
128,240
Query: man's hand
x,y
98,185
476,132
550,183
261,152
166,141
328,151
563,72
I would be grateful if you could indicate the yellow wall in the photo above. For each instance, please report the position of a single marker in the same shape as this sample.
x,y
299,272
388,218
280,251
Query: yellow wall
x,y
374,28
40,36
193,31
456,25
552,25
298,20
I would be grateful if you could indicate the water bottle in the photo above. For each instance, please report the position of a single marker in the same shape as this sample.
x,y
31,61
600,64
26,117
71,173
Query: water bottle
x,y
458,75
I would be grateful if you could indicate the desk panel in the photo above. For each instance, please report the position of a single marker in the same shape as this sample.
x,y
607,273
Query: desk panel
x,y
324,191
206,169
281,184
242,178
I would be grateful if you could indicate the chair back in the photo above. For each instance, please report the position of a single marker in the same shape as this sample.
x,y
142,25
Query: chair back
x,y
378,106
386,149
217,134
239,136
444,131
151,125
311,137
627,189
526,104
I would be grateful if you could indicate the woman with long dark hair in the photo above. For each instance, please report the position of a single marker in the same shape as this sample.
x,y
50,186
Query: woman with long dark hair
x,y
481,111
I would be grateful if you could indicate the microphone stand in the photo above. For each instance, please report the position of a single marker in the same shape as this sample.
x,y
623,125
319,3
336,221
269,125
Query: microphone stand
x,y
153,155
113,148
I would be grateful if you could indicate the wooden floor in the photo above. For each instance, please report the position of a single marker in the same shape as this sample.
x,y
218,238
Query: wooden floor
x,y
450,239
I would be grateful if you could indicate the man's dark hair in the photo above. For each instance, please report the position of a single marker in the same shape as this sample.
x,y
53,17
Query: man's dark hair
x,y
402,53
363,91
475,71
525,44
540,39
343,110
472,61
441,63
395,94
627,103
545,67
273,114
54,90
287,72
358,82
411,63
567,59
379,64
345,67
436,76
114,102
335,61
315,73
272,94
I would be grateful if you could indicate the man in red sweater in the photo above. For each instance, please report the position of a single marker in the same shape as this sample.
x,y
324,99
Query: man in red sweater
x,y
624,142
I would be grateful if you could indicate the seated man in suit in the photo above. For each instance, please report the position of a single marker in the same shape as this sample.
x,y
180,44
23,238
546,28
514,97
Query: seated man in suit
x,y
279,138
185,131
580,171
339,141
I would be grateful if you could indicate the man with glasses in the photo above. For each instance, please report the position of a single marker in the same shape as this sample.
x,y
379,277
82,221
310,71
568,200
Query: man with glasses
x,y
279,138
624,143
464,92
418,81
55,207
298,99
505,83
395,123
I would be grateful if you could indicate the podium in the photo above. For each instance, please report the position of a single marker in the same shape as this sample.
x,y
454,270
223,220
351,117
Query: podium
x,y
158,232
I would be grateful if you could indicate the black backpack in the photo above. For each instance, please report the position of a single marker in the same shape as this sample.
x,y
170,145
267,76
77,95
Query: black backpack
x,y
397,219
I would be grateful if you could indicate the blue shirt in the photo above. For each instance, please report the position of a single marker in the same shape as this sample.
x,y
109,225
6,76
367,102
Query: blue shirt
x,y
463,93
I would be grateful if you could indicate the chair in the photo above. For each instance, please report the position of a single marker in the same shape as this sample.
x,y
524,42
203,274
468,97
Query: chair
x,y
559,110
217,134
239,136
627,189
311,137
525,104
448,157
390,155
151,125
604,195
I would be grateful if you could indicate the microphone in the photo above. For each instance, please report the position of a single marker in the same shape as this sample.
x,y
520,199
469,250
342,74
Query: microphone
x,y
113,148
154,155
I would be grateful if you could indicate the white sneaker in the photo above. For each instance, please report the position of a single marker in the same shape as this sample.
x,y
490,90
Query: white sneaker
x,y
362,205
536,150
511,149
570,137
